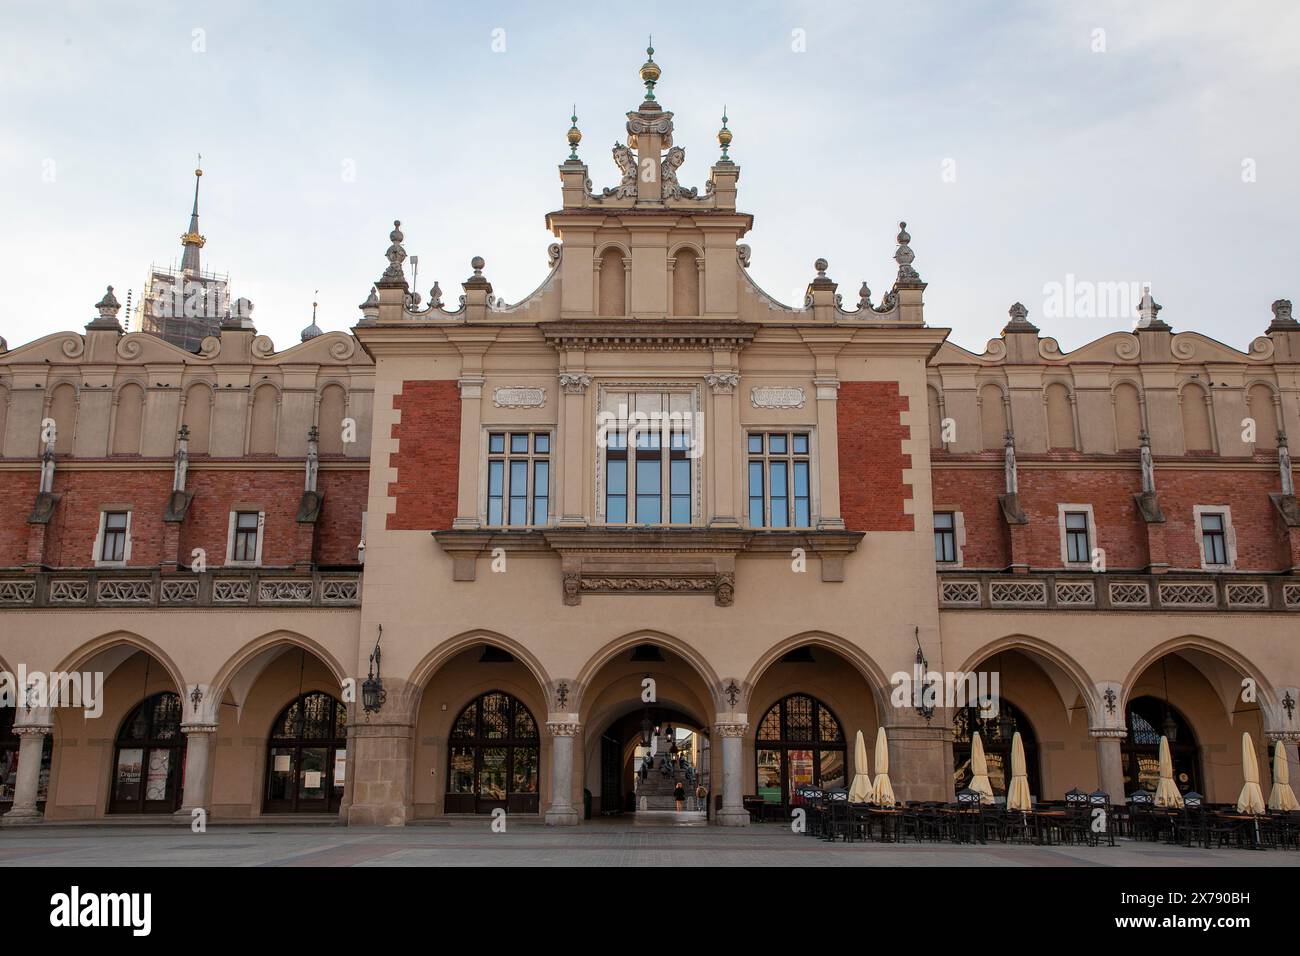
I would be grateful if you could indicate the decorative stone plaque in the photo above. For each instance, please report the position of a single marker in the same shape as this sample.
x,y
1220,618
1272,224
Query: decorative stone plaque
x,y
519,397
772,396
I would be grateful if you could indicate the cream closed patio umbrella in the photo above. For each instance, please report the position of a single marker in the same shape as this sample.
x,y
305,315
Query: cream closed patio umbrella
x,y
860,788
1252,798
979,768
1282,797
1167,794
1018,793
882,791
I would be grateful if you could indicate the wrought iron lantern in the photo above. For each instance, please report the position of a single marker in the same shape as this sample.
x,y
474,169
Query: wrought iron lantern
x,y
373,694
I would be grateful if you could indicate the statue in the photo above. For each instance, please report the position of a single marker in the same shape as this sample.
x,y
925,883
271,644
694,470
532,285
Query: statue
x,y
625,160
1284,465
1148,465
181,458
1009,463
672,189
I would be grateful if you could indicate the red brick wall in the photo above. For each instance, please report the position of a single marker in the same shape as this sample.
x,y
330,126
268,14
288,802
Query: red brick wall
x,y
71,534
427,457
1261,541
872,490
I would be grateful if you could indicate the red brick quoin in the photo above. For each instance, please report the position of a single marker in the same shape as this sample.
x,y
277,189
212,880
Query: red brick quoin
x,y
427,457
872,490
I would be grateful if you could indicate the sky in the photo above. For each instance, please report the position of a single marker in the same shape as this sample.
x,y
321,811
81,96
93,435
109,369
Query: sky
x,y
1031,148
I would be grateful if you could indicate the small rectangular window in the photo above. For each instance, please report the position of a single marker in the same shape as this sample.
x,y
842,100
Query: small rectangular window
x,y
1077,548
780,480
114,543
518,480
246,533
1214,538
945,536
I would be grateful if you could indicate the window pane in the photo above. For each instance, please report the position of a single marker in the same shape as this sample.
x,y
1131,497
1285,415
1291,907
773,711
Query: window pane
x,y
942,519
279,781
462,770
541,490
1212,522
799,718
130,768
648,509
519,444
800,444
802,501
496,444
115,521
680,477
769,775
756,494
648,489
524,779
779,502
246,521
831,766
776,444
801,768
1076,521
756,444
312,776
542,444
519,492
492,778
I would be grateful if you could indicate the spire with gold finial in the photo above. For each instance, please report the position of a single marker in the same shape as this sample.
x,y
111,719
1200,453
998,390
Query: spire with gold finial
x,y
575,136
650,74
192,241
724,138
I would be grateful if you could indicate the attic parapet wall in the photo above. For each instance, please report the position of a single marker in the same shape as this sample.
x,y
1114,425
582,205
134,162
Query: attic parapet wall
x,y
129,395
1193,394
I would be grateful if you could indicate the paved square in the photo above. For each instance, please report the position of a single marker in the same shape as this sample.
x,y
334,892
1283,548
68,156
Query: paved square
x,y
599,844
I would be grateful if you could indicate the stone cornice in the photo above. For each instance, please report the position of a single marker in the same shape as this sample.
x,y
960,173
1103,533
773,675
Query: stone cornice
x,y
660,334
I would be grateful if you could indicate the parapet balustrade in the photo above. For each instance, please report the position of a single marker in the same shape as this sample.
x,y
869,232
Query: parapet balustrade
x,y
219,587
1117,591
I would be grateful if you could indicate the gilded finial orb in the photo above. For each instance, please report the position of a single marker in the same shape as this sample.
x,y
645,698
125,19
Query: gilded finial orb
x,y
650,72
724,137
575,135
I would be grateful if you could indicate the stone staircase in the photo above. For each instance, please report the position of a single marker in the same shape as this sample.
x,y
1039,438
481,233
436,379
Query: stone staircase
x,y
657,789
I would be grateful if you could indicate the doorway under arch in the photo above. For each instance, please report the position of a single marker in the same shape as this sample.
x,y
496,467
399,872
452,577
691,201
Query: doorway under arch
x,y
306,756
996,734
149,758
1150,718
493,757
799,741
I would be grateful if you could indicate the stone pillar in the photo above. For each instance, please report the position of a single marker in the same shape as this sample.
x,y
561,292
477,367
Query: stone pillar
x,y
733,813
198,770
920,757
828,433
27,786
561,812
722,448
1110,761
471,400
379,767
573,438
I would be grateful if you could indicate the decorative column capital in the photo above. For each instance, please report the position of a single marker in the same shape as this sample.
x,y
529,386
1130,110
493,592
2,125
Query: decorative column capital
x,y
1101,733
732,728
188,729
564,728
722,383
574,384
471,388
33,730
1286,736
828,389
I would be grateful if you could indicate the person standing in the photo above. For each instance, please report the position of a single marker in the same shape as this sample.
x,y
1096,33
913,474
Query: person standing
x,y
679,795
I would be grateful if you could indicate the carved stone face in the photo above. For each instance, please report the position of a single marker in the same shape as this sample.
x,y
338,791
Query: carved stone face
x,y
1282,310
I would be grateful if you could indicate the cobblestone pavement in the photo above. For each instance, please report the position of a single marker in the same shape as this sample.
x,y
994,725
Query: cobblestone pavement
x,y
603,843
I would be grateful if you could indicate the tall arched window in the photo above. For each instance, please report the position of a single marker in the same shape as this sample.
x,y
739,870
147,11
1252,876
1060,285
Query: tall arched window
x,y
306,756
800,741
9,745
995,734
1150,718
493,757
149,760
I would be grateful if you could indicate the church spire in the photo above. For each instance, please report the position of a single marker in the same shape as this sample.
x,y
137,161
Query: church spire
x,y
192,241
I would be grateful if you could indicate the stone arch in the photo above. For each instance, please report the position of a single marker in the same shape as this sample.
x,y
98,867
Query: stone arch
x,y
686,280
221,681
330,412
263,419
934,404
877,680
444,652
87,651
63,409
1267,697
1041,652
1261,400
628,641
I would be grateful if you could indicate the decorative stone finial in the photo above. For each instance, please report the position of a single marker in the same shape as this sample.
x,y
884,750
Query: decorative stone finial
x,y
650,74
394,275
108,308
864,297
575,136
724,139
1282,318
370,308
477,280
240,315
904,257
1019,320
435,296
